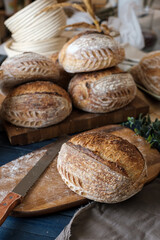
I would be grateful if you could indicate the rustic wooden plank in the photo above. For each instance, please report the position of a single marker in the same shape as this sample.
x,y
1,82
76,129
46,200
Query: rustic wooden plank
x,y
78,121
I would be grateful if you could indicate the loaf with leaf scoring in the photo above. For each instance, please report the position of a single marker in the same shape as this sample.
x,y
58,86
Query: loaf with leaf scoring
x,y
27,67
102,167
36,104
102,91
147,72
90,51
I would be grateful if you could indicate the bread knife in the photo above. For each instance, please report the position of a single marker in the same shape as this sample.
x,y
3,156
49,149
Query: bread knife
x,y
19,192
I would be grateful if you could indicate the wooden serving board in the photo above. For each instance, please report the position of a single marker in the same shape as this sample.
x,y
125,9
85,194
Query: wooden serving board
x,y
78,121
50,194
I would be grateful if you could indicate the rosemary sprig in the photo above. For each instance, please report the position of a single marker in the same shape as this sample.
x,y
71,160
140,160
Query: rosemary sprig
x,y
144,127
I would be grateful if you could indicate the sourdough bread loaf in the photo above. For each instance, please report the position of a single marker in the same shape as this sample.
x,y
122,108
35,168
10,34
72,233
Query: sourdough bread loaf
x,y
90,51
36,104
102,167
147,72
102,91
27,67
150,155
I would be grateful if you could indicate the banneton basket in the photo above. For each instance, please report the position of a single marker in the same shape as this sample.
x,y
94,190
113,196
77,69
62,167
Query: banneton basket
x,y
39,43
36,31
40,47
41,32
27,15
11,52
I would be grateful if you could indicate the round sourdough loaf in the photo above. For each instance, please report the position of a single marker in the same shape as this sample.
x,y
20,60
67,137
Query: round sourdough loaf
x,y
90,51
102,91
36,104
27,67
147,72
102,167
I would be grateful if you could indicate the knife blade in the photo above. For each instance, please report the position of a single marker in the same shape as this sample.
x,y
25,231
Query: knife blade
x,y
17,195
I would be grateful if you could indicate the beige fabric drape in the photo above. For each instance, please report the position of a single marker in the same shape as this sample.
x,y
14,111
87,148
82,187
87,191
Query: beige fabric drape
x,y
137,218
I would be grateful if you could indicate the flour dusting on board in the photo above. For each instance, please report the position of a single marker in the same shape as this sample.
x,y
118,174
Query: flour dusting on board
x,y
49,192
13,172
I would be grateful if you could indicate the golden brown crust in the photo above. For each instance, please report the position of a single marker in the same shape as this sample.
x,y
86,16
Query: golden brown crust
x,y
101,166
28,67
151,155
90,51
97,74
102,91
96,155
128,162
36,104
147,72
38,87
150,56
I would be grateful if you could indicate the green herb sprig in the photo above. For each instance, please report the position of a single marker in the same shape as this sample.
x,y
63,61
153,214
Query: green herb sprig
x,y
144,127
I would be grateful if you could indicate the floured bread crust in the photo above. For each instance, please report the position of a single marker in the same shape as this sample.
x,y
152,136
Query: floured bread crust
x,y
102,91
102,167
147,72
90,51
36,104
27,67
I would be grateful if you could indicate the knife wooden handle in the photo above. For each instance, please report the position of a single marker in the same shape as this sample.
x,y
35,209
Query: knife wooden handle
x,y
8,204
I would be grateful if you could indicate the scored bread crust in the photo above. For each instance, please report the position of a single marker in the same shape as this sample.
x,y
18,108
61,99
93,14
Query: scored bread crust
x,y
27,67
102,167
90,51
36,104
151,155
147,72
102,91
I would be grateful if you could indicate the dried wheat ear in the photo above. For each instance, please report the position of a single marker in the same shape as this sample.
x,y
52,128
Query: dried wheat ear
x,y
36,104
147,72
27,67
90,51
102,167
102,91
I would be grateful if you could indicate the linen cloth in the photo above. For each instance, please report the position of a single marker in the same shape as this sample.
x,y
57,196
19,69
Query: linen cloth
x,y
137,218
